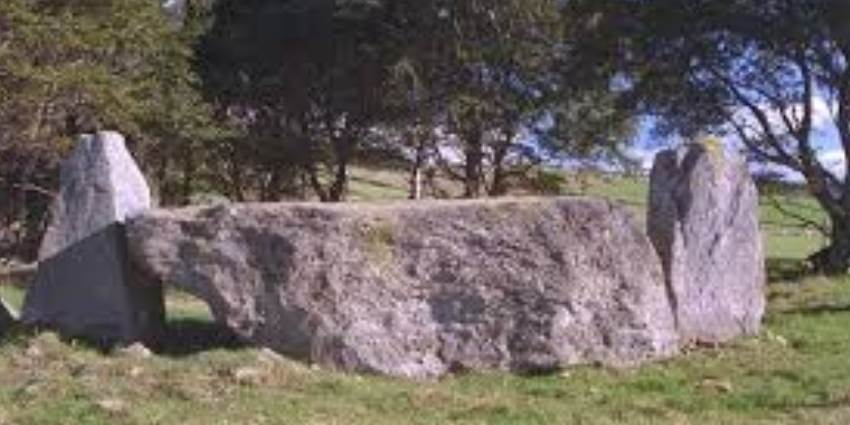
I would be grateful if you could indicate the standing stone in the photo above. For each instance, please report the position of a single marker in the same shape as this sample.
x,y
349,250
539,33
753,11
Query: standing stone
x,y
422,289
703,221
85,285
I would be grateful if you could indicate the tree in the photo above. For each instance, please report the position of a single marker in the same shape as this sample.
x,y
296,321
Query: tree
x,y
494,71
493,77
318,82
758,71
302,78
68,67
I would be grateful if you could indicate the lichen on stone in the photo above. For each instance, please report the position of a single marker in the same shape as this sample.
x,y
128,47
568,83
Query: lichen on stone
x,y
379,236
716,150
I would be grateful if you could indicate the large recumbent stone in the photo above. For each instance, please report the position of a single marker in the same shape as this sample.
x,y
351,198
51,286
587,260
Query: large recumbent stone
x,y
421,289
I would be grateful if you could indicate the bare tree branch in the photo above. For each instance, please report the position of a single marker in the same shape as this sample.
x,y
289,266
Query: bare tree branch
x,y
760,115
805,221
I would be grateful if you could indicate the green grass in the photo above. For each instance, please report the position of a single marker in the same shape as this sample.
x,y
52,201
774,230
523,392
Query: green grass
x,y
796,371
181,306
377,185
14,297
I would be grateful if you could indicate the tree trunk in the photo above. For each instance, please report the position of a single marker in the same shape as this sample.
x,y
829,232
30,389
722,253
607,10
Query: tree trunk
x,y
316,183
415,189
339,188
473,166
415,193
835,258
271,191
189,170
342,150
500,177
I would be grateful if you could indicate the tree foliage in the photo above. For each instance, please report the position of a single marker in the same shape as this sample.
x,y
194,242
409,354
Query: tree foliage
x,y
317,82
766,73
68,67
276,99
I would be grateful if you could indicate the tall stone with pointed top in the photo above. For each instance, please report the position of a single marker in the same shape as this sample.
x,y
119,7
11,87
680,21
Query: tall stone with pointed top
x,y
85,285
703,221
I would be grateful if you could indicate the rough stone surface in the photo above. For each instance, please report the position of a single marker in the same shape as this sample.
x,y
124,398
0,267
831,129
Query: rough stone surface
x,y
100,185
703,221
421,289
84,285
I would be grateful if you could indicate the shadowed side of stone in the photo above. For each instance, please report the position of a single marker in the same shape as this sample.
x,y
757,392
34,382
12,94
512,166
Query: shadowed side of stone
x,y
88,290
703,221
422,289
85,285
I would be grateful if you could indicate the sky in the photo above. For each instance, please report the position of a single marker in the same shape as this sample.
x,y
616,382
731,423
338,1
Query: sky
x,y
825,138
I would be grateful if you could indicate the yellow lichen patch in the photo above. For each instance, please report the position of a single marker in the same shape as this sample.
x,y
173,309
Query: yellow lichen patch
x,y
379,235
716,150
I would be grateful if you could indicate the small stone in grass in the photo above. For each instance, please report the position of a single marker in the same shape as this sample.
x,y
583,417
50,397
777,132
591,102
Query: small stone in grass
x,y
137,350
136,372
112,405
717,385
247,376
269,356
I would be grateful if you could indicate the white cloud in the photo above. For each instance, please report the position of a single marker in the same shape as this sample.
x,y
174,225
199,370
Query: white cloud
x,y
643,156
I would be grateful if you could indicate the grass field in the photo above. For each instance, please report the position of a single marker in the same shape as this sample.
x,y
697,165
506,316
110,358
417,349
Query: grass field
x,y
796,371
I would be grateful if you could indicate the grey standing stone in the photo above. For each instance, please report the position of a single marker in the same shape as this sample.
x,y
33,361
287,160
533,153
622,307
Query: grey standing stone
x,y
85,286
422,289
100,185
703,220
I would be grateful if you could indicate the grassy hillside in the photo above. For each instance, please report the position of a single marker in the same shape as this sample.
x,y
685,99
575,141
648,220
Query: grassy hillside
x,y
795,372
785,239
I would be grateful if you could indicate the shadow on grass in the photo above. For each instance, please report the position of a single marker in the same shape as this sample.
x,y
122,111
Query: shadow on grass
x,y
821,309
180,338
185,337
786,270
